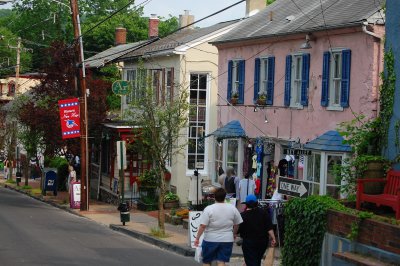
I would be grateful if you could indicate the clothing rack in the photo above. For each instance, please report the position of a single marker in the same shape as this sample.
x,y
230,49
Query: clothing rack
x,y
277,207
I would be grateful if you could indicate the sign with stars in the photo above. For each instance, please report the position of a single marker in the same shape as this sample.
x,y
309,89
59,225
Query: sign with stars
x,y
70,118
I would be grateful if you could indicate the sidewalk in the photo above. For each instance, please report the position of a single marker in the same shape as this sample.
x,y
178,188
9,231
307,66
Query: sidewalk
x,y
139,226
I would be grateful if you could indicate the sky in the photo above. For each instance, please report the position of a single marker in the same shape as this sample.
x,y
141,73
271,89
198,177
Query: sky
x,y
198,8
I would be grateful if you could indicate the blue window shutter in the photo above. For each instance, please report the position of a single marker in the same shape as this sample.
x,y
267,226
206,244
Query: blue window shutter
x,y
325,79
288,77
241,81
229,89
305,79
270,86
256,78
346,64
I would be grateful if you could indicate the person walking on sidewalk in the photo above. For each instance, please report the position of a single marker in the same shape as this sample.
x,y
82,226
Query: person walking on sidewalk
x,y
71,177
255,232
219,222
247,187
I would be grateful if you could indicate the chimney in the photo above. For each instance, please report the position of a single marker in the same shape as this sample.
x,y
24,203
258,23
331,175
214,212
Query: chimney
x,y
186,19
254,6
153,26
120,36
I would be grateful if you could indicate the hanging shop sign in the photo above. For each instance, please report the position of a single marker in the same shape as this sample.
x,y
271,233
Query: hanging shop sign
x,y
296,152
121,87
70,118
293,187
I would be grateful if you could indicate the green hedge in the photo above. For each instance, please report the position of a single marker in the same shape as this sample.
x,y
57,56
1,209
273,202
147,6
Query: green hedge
x,y
305,227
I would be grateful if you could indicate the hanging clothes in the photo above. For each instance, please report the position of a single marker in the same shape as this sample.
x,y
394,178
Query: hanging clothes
x,y
271,182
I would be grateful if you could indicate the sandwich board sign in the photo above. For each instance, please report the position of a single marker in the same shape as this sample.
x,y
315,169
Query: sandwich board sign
x,y
293,187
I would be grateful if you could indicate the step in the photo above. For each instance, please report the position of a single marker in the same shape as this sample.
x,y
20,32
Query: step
x,y
359,260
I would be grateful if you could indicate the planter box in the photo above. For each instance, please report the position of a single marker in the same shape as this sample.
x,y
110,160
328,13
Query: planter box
x,y
147,206
171,204
175,220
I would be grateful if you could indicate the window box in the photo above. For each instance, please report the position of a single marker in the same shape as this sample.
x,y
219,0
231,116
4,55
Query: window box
x,y
234,101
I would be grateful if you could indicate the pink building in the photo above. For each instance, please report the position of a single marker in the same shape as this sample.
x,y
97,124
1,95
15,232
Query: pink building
x,y
291,73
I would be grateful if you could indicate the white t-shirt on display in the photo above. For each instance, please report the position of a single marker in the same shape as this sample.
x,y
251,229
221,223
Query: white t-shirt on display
x,y
219,219
246,187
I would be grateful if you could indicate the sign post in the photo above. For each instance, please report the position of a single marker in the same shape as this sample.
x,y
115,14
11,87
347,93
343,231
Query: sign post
x,y
121,161
293,187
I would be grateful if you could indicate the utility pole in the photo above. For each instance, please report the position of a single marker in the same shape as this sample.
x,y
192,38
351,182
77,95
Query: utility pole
x,y
17,67
83,105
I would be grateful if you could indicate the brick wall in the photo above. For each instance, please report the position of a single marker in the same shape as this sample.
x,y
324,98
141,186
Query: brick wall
x,y
372,233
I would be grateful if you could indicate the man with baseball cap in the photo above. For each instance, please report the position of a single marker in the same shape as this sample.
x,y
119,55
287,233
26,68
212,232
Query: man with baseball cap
x,y
255,232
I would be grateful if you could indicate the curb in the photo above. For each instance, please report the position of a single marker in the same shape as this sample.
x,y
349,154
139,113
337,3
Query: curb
x,y
188,252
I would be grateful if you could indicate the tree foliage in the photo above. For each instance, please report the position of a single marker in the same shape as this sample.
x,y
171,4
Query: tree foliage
x,y
160,132
39,113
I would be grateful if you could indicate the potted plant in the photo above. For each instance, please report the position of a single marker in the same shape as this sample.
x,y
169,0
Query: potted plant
x,y
171,200
148,183
364,137
261,99
235,98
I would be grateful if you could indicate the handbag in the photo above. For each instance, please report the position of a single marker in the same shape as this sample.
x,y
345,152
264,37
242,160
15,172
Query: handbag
x,y
198,254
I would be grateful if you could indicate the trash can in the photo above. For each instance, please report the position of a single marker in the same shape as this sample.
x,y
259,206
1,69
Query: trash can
x,y
124,212
18,177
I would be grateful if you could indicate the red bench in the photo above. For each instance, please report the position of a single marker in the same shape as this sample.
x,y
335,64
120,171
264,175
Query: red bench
x,y
390,196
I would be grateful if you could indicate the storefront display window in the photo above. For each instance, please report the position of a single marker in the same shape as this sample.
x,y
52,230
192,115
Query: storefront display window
x,y
313,172
332,186
232,154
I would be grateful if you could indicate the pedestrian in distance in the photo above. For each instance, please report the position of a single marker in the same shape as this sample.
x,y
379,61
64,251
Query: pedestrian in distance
x,y
219,223
255,231
231,183
71,177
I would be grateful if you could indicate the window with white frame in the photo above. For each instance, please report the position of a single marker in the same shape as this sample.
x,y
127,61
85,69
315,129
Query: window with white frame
x,y
336,79
321,173
297,78
197,121
335,89
236,72
296,81
137,78
264,71
228,152
169,84
314,172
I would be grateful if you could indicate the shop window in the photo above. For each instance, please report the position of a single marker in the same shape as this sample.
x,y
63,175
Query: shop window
x,y
197,121
332,185
297,80
219,160
314,172
232,158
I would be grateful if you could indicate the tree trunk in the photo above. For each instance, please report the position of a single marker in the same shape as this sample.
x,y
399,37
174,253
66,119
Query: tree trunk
x,y
161,212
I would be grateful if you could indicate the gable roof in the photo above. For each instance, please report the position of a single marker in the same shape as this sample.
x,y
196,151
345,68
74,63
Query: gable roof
x,y
285,17
109,55
329,141
176,39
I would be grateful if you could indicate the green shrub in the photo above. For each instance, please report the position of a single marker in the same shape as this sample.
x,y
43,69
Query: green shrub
x,y
305,227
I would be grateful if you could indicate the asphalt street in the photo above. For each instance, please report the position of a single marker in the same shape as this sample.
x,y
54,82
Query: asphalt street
x,y
35,233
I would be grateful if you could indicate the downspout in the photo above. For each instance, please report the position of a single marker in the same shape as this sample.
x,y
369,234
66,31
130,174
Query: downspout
x,y
364,29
